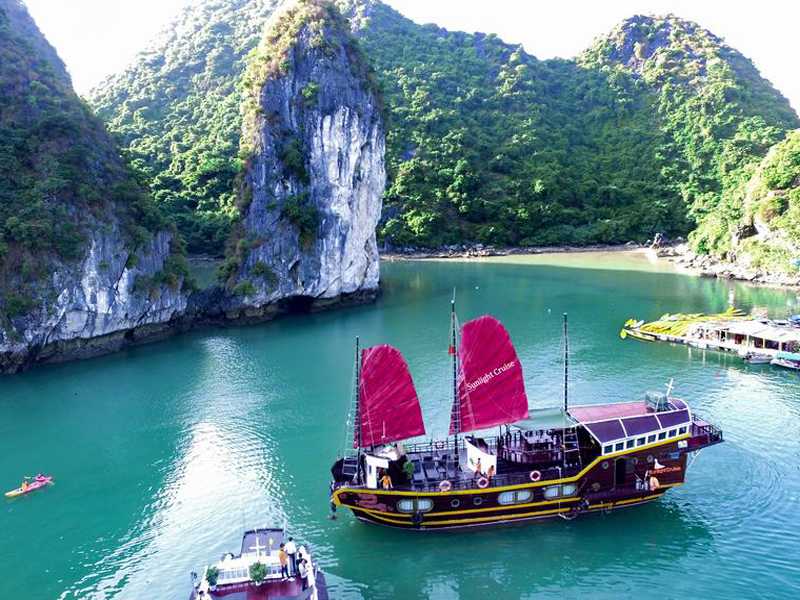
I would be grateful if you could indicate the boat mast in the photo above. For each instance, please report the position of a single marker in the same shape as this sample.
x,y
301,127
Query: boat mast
x,y
357,412
566,364
454,351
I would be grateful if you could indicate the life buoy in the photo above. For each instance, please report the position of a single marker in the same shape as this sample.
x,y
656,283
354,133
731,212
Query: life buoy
x,y
445,486
483,483
439,445
654,483
535,475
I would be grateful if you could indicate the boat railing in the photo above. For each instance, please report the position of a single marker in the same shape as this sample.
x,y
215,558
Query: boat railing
x,y
701,427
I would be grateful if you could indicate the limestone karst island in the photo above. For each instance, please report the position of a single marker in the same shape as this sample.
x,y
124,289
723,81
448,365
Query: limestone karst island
x,y
343,299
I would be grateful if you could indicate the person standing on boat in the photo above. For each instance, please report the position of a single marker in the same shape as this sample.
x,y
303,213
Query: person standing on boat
x,y
309,573
291,550
302,570
284,560
478,468
386,481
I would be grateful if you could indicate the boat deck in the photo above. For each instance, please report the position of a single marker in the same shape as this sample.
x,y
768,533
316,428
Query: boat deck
x,y
517,454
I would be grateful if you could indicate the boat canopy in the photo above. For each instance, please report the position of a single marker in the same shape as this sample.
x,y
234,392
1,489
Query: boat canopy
x,y
788,356
491,390
612,422
545,418
388,406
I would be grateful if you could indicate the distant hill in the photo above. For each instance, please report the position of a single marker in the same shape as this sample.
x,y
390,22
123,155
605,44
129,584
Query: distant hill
x,y
652,129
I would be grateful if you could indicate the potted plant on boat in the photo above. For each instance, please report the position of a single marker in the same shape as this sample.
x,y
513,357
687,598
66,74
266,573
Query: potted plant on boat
x,y
212,575
258,572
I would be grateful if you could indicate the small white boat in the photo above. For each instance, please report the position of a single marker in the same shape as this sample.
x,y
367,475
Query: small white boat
x,y
787,360
754,358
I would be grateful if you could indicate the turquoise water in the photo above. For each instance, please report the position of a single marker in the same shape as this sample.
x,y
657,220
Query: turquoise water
x,y
163,454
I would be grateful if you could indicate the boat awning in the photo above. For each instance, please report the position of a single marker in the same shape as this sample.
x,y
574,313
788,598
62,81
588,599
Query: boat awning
x,y
789,355
545,418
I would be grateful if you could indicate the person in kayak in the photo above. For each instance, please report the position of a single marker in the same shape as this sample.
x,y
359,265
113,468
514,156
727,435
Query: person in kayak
x,y
24,485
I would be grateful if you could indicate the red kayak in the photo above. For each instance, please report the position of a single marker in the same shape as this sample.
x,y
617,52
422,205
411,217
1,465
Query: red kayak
x,y
38,482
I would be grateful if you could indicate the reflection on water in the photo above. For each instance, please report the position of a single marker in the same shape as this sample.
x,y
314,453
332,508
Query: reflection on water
x,y
163,454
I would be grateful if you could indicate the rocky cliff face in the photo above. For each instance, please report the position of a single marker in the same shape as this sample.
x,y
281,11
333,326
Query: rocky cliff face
x,y
84,258
315,175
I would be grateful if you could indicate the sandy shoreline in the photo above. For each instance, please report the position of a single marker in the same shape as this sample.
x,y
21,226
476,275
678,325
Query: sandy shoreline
x,y
679,257
479,251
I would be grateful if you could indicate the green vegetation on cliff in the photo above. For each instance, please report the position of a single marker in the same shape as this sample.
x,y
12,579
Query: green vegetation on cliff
x,y
655,128
61,172
177,114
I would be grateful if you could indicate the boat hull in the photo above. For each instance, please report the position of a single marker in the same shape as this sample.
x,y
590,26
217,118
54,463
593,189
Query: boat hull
x,y
612,481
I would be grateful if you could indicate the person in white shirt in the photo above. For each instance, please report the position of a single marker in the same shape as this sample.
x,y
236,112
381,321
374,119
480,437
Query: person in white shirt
x,y
291,550
303,570
309,574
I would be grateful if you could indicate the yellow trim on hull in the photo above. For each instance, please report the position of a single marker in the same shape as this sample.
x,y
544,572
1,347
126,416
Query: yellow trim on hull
x,y
524,516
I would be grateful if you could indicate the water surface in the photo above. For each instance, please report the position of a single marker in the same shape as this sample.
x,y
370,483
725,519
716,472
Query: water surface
x,y
164,453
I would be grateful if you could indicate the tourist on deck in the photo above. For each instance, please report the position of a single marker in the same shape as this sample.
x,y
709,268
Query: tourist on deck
x,y
490,473
309,574
291,550
386,481
284,560
478,468
302,569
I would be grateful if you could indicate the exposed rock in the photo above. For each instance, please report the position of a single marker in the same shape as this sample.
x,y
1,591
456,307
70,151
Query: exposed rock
x,y
316,174
84,259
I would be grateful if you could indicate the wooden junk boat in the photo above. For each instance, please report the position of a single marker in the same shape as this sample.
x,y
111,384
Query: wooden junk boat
x,y
561,462
233,576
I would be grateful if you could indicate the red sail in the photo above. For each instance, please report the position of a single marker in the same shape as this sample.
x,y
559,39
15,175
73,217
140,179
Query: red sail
x,y
388,404
491,390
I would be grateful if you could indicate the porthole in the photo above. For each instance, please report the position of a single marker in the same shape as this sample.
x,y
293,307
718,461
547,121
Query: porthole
x,y
605,464
477,500
455,502
635,460
596,486
650,458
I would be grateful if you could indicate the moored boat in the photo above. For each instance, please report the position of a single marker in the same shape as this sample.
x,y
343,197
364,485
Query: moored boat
x,y
787,360
255,573
756,340
558,462
756,358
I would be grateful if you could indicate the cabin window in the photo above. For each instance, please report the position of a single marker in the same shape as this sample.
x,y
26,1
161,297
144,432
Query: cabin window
x,y
640,441
477,500
608,449
673,432
455,502
662,435
620,446
682,430
651,438
559,491
414,505
516,497
629,444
